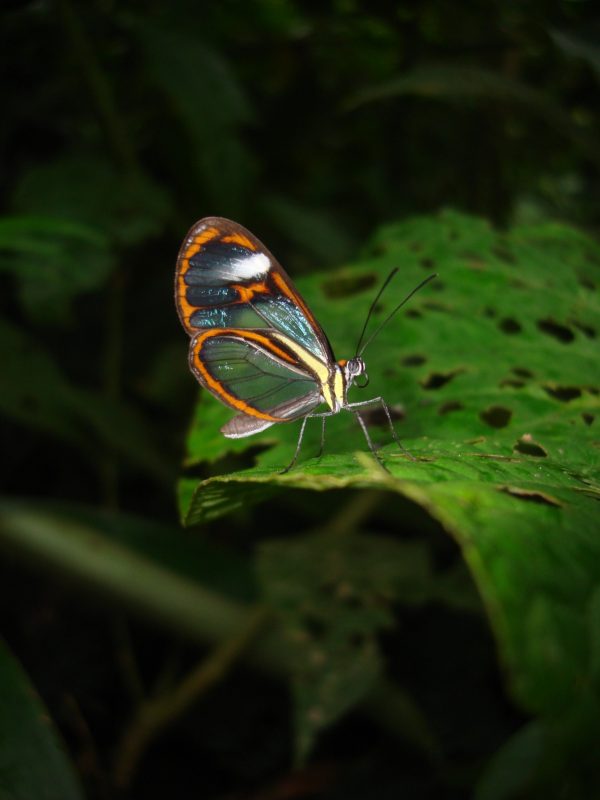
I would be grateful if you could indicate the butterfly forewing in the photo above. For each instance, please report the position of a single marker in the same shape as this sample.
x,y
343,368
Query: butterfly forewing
x,y
227,278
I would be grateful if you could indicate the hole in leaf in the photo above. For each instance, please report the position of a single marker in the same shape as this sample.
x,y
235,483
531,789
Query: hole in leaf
x,y
451,405
427,263
522,372
314,626
588,418
496,416
555,329
502,252
433,305
435,380
329,588
473,259
413,361
351,601
513,383
528,447
477,264
533,497
413,313
376,416
358,640
29,403
509,325
586,329
563,393
341,285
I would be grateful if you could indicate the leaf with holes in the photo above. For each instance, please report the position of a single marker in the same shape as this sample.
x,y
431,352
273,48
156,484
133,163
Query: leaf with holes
x,y
492,374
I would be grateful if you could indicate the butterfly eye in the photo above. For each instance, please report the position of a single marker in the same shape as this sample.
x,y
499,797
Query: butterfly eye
x,y
365,381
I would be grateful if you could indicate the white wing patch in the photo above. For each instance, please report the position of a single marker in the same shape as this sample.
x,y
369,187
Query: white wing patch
x,y
252,267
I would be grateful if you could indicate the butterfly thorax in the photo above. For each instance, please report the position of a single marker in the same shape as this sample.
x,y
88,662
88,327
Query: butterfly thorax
x,y
349,370
330,376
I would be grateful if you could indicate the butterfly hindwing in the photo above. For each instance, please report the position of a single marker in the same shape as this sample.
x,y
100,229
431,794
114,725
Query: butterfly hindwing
x,y
254,374
242,425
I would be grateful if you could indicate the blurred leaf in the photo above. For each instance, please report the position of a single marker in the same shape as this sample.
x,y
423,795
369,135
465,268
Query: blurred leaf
x,y
333,593
122,209
166,379
184,553
53,261
163,574
496,368
34,391
314,232
210,102
32,761
281,18
451,83
128,576
454,588
512,767
580,44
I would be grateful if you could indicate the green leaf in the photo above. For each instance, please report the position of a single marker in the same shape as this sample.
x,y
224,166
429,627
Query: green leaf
x,y
53,261
35,392
492,364
198,558
89,189
32,761
496,368
512,767
333,593
122,565
78,211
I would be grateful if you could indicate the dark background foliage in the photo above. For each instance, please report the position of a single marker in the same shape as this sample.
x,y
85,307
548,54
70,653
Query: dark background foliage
x,y
312,124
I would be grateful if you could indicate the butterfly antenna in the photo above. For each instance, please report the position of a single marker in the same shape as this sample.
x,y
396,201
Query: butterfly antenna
x,y
398,307
373,304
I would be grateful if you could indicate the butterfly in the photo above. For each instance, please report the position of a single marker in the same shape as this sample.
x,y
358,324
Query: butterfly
x,y
255,344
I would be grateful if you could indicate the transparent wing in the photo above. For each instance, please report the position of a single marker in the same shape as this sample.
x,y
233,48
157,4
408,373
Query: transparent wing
x,y
243,425
253,378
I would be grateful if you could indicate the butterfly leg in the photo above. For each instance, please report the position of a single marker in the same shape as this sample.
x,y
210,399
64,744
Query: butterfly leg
x,y
298,446
323,416
372,447
386,410
322,445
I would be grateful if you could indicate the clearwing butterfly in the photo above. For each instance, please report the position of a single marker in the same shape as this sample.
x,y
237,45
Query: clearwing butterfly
x,y
255,344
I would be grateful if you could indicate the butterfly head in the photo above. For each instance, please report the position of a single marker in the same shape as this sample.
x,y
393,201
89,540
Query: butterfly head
x,y
353,369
